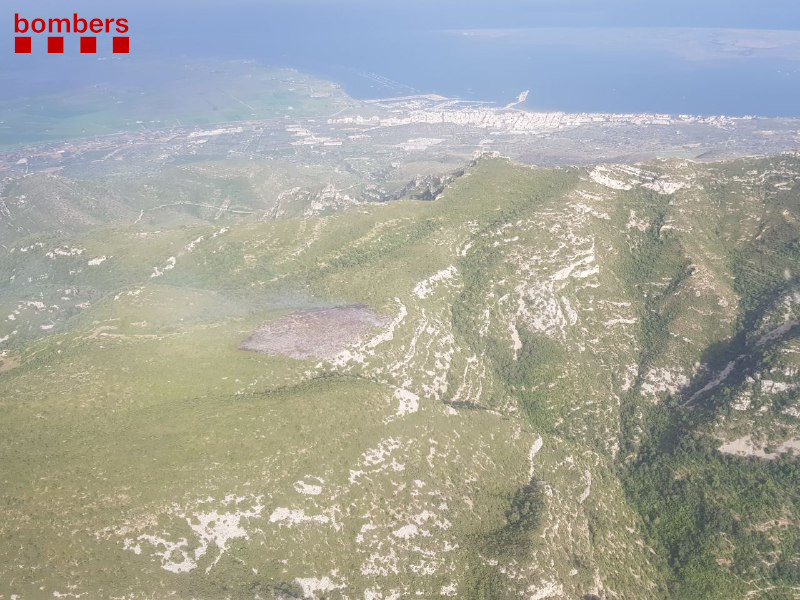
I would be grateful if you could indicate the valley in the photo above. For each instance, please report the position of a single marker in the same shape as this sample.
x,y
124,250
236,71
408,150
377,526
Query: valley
x,y
347,356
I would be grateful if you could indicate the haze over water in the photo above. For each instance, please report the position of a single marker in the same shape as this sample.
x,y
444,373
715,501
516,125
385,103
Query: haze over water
x,y
723,57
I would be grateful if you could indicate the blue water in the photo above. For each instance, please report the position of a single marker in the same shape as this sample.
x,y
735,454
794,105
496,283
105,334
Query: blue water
x,y
383,48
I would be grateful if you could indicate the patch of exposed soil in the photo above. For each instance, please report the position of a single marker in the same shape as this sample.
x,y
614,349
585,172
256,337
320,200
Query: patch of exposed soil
x,y
7,364
314,333
745,446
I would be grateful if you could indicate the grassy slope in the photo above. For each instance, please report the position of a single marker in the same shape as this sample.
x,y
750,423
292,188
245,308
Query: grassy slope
x,y
147,408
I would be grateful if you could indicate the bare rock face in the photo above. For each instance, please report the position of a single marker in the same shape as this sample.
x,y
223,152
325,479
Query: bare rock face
x,y
314,333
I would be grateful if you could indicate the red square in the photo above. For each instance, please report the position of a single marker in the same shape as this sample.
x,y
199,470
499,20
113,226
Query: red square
x,y
22,45
88,45
120,45
55,45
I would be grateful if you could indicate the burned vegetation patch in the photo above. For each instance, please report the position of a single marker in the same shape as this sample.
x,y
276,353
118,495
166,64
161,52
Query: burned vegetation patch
x,y
314,333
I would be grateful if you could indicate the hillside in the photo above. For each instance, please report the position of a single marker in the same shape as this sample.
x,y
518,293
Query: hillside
x,y
564,383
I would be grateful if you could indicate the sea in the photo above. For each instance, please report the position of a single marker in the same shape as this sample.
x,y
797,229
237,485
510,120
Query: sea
x,y
708,57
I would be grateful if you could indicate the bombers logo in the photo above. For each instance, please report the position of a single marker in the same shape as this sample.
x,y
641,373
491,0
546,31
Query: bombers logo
x,y
76,25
